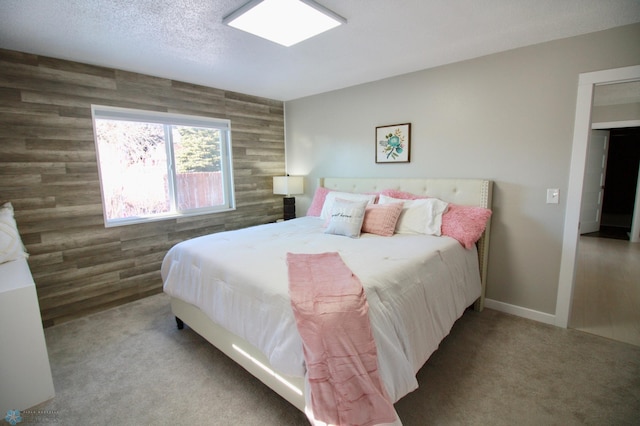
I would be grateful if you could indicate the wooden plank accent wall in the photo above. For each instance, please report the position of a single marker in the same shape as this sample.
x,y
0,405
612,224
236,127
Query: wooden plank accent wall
x,y
49,172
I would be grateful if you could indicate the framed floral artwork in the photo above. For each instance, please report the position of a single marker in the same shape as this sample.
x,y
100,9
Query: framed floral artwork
x,y
393,143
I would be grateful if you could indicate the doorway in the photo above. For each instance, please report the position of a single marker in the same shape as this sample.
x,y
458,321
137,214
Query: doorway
x,y
582,129
619,184
605,299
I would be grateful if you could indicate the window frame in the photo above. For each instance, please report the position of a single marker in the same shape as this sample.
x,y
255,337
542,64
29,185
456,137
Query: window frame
x,y
167,120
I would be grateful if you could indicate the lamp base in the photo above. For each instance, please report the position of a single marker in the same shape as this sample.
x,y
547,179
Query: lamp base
x,y
289,204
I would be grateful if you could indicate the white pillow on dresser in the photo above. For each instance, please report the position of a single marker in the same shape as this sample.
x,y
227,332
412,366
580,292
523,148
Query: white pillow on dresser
x,y
348,196
11,247
421,216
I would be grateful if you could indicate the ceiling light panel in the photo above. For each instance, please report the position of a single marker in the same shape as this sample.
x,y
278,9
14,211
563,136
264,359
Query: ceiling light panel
x,y
285,22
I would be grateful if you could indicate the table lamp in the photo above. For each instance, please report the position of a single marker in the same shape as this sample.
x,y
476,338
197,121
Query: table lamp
x,y
288,186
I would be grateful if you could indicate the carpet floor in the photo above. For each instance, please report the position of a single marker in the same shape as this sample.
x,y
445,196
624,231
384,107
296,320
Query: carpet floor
x,y
131,366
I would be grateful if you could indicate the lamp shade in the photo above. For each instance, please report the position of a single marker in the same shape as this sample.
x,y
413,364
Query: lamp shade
x,y
288,185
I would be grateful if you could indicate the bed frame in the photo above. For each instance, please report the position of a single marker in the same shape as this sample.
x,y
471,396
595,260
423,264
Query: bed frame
x,y
475,192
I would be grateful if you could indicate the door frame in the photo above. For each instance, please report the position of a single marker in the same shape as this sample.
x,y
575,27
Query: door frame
x,y
581,131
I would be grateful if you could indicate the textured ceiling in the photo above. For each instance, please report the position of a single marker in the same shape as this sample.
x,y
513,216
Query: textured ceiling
x,y
185,39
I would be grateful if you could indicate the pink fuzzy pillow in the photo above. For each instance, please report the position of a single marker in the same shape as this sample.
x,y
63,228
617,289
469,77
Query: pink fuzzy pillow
x,y
395,193
465,223
318,201
381,219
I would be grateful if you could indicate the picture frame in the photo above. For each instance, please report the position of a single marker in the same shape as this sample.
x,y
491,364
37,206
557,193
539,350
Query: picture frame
x,y
393,143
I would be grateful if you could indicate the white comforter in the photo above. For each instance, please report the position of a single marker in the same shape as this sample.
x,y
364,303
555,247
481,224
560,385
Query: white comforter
x,y
416,287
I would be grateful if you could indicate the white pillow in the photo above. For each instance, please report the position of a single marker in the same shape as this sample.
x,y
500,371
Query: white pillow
x,y
11,247
349,196
346,218
421,216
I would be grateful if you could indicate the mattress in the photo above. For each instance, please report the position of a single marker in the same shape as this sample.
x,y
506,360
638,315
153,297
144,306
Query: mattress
x,y
416,287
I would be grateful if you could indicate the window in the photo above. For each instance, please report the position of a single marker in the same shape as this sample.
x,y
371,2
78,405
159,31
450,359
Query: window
x,y
156,165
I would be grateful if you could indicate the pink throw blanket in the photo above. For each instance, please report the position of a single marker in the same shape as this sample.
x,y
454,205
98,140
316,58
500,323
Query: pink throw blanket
x,y
331,313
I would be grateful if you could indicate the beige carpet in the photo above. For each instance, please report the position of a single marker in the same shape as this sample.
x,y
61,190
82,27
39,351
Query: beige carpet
x,y
131,366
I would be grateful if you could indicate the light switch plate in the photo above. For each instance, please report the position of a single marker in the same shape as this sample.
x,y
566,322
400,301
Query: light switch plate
x,y
553,195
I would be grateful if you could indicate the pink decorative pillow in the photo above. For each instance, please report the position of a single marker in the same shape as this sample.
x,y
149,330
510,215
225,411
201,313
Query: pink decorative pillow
x,y
381,219
395,193
465,223
315,209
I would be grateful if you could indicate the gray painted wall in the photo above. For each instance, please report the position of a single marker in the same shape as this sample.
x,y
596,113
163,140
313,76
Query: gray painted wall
x,y
507,117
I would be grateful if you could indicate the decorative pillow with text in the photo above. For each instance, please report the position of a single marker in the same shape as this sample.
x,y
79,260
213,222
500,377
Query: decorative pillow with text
x,y
346,217
349,196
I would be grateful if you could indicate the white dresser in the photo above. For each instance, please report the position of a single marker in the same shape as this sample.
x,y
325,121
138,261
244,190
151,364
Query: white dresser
x,y
25,373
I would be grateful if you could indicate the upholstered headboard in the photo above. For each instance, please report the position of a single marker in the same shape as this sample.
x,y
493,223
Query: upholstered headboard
x,y
470,192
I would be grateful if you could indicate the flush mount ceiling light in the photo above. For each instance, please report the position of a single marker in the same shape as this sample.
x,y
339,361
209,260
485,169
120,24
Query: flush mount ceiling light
x,y
285,22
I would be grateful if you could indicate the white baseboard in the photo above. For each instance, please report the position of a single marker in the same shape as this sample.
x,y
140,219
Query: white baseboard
x,y
520,311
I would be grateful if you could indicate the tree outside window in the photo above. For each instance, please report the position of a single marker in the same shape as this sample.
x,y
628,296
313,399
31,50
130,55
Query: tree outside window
x,y
155,165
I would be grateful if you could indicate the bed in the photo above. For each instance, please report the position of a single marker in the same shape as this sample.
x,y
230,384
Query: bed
x,y
245,312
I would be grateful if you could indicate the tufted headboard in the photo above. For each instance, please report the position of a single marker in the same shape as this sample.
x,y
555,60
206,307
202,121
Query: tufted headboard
x,y
470,192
